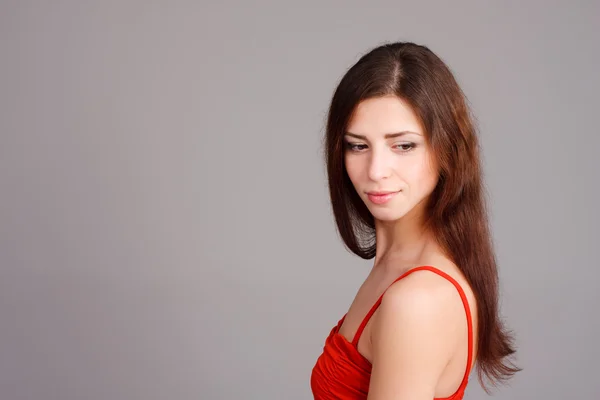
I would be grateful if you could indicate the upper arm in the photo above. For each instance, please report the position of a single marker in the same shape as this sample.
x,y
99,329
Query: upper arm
x,y
411,339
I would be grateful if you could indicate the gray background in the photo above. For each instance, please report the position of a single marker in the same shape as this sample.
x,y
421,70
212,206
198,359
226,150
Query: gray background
x,y
165,231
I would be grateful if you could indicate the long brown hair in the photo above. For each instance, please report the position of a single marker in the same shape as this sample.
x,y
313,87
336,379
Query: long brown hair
x,y
456,211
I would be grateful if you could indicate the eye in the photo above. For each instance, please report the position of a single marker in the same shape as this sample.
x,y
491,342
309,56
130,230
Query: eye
x,y
406,147
355,146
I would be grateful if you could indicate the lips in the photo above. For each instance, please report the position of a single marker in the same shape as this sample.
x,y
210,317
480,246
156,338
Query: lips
x,y
381,197
381,193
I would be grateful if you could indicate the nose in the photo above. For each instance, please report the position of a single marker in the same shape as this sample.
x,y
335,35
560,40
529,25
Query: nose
x,y
379,165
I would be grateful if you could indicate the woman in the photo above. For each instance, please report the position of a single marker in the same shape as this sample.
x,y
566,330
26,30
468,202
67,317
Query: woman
x,y
406,189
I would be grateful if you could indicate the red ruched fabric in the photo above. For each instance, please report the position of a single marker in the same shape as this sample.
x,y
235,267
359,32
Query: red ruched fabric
x,y
342,373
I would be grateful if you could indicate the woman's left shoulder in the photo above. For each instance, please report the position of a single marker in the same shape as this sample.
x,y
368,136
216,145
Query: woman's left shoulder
x,y
416,326
429,295
424,289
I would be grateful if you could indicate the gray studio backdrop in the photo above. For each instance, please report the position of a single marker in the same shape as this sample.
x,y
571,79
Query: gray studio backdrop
x,y
165,231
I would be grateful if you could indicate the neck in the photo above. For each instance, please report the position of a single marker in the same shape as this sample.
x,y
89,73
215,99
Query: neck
x,y
404,240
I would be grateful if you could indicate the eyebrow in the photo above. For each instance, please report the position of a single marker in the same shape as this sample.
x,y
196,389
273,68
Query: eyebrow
x,y
387,135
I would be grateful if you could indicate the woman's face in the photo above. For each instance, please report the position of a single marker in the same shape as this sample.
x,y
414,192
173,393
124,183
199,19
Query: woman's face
x,y
385,151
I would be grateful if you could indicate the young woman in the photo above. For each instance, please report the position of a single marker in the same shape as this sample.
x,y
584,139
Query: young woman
x,y
406,189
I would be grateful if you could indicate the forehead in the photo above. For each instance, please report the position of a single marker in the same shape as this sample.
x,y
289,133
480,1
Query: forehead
x,y
381,115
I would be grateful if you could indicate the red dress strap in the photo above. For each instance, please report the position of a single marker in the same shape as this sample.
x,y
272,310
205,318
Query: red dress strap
x,y
365,320
463,297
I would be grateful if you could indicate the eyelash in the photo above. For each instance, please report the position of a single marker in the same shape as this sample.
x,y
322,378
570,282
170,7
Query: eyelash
x,y
353,146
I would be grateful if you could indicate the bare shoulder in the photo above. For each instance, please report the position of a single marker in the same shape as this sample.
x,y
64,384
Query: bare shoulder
x,y
424,304
423,296
414,336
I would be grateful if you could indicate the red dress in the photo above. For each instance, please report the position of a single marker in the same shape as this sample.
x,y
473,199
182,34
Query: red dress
x,y
341,372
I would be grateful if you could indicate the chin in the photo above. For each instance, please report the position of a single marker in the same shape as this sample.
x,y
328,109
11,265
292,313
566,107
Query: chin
x,y
387,214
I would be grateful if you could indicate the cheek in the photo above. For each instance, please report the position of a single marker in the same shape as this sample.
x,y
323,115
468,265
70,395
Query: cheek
x,y
428,176
355,173
352,168
421,175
